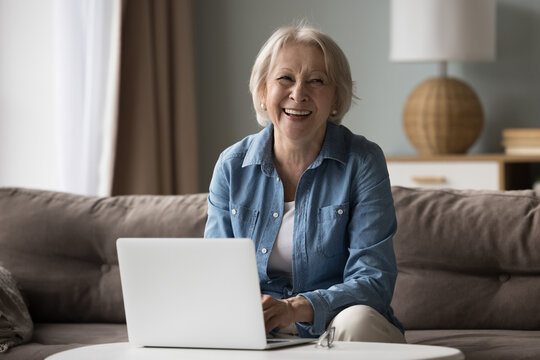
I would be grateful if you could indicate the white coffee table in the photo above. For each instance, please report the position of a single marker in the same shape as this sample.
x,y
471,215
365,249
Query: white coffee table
x,y
340,350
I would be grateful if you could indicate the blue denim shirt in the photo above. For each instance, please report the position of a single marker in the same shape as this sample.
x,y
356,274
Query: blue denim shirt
x,y
343,224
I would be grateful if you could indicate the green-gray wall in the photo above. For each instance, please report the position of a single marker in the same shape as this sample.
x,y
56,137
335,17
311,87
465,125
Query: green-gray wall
x,y
229,33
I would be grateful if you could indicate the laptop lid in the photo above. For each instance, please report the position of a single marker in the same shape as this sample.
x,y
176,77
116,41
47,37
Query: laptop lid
x,y
191,292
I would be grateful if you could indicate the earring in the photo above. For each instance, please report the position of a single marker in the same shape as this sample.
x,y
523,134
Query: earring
x,y
263,107
334,112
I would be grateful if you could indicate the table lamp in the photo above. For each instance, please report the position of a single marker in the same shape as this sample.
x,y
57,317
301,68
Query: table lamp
x,y
442,115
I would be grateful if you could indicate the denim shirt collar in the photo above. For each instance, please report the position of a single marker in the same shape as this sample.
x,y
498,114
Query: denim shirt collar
x,y
260,150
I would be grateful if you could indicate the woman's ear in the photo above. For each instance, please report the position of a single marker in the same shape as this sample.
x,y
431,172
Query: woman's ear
x,y
335,102
334,108
263,99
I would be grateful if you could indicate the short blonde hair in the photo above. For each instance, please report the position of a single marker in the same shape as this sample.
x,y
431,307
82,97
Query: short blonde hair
x,y
337,67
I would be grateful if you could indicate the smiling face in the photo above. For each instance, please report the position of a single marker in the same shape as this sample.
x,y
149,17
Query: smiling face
x,y
298,95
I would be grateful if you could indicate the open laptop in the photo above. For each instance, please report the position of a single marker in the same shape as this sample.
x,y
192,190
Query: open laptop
x,y
197,293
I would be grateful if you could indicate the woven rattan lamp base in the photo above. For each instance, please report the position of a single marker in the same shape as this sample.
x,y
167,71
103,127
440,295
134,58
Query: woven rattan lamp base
x,y
442,116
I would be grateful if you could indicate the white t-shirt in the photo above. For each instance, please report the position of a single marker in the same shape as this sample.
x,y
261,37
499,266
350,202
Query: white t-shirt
x,y
280,261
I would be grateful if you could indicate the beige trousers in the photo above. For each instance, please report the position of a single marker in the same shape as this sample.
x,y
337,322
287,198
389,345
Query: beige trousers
x,y
363,323
357,323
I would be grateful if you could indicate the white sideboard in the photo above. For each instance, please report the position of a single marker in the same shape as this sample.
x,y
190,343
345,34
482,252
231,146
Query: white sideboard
x,y
483,172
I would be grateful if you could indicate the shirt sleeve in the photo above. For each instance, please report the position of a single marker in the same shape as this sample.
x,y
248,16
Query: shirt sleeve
x,y
218,224
370,271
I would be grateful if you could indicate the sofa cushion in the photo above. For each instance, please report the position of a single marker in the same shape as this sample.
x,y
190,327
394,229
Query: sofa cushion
x,y
467,259
483,344
61,248
52,338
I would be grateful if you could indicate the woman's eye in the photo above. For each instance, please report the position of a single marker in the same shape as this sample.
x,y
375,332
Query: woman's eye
x,y
317,81
284,78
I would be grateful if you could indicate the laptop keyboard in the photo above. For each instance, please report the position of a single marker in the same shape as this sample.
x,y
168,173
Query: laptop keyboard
x,y
273,341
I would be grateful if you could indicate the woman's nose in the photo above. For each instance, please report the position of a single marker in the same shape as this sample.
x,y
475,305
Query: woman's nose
x,y
298,93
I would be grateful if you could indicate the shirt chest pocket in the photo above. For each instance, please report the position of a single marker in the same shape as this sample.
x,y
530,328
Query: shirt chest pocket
x,y
243,220
332,229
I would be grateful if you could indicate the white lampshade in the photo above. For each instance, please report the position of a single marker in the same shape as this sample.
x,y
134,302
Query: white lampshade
x,y
442,30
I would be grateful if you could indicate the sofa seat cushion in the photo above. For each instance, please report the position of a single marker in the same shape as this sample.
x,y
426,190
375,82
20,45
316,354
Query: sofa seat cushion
x,y
50,338
483,344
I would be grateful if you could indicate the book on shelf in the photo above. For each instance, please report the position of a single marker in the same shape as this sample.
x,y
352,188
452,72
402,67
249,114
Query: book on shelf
x,y
521,142
524,141
522,150
522,133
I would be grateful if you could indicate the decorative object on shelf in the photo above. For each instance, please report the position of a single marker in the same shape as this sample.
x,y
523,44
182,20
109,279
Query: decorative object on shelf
x,y
521,141
443,115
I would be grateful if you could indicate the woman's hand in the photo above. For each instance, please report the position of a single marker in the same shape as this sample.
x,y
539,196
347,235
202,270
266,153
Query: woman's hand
x,y
277,313
282,313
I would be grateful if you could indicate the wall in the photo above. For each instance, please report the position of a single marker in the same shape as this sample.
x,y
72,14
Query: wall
x,y
27,134
230,33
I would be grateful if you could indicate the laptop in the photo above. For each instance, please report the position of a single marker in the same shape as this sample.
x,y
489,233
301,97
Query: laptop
x,y
195,293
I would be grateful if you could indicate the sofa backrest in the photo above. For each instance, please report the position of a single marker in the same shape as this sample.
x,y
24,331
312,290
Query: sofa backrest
x,y
61,248
467,259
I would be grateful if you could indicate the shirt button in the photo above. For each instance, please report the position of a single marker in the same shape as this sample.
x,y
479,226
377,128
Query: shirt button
x,y
275,215
340,212
289,292
269,282
233,211
264,251
278,179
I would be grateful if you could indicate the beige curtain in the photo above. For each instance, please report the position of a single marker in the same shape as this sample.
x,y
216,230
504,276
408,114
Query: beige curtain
x,y
156,148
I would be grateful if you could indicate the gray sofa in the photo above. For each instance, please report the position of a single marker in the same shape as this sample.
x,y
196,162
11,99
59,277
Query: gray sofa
x,y
469,265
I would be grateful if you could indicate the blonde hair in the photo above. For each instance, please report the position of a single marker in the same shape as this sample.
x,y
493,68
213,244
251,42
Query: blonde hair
x,y
337,67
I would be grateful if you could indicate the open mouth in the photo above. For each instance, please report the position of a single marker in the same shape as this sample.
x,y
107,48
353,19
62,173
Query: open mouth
x,y
292,112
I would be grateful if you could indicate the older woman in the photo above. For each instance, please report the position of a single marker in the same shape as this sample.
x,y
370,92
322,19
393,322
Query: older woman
x,y
314,197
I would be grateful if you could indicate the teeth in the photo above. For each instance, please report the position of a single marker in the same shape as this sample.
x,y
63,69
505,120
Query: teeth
x,y
296,112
